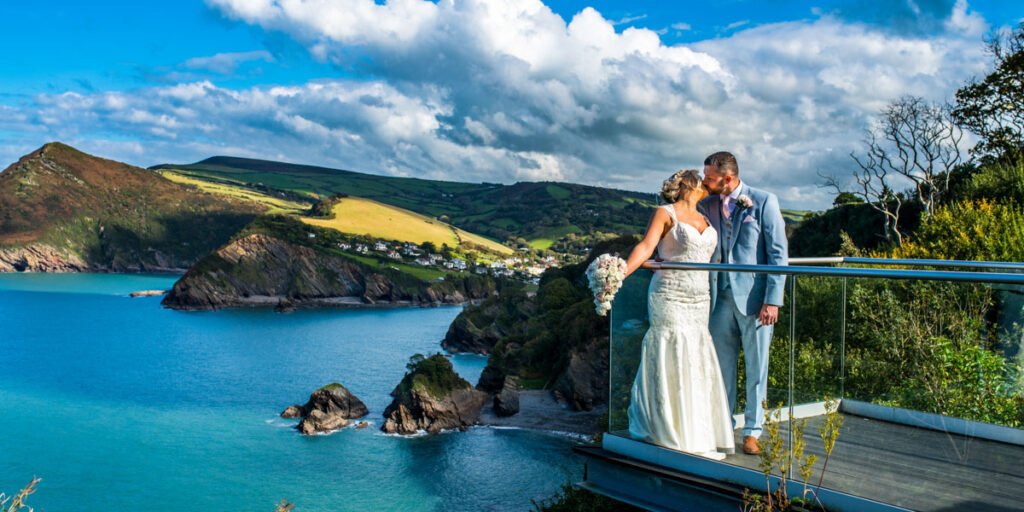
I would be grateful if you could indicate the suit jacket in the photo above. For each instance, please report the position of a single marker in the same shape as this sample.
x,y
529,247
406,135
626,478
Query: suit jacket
x,y
758,239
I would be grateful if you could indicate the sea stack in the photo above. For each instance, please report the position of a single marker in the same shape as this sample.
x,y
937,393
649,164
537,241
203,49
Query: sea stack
x,y
329,408
432,397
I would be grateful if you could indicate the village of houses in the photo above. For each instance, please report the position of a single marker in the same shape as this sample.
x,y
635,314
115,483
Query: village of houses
x,y
525,267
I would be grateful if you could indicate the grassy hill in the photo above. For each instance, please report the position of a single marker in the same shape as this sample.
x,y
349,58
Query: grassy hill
x,y
360,216
537,213
273,203
110,214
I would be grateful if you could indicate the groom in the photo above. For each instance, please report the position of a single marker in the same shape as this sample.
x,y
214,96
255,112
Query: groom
x,y
744,306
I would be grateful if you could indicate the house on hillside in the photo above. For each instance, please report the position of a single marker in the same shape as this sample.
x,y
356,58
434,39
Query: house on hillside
x,y
345,246
394,255
380,246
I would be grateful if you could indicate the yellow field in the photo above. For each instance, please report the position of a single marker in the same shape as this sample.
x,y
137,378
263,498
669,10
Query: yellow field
x,y
359,216
273,204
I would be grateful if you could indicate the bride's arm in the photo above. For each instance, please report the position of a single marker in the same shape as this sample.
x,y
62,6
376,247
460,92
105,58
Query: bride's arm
x,y
643,250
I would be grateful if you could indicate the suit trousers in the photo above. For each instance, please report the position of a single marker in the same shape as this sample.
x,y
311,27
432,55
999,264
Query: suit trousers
x,y
731,329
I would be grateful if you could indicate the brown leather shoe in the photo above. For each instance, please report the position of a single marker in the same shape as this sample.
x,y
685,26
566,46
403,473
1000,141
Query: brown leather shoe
x,y
750,446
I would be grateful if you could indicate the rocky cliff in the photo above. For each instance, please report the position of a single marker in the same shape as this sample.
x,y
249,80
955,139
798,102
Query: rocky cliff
x,y
279,261
40,258
552,341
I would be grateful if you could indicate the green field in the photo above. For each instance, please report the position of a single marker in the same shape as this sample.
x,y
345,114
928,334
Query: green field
x,y
273,204
358,216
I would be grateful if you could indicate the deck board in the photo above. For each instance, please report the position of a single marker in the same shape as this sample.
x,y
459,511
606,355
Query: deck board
x,y
915,468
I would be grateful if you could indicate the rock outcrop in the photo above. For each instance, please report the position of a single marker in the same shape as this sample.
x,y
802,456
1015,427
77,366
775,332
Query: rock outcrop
x,y
432,398
329,408
506,403
584,383
281,262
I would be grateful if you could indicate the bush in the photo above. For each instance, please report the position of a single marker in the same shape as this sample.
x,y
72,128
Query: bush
x,y
433,374
571,499
969,230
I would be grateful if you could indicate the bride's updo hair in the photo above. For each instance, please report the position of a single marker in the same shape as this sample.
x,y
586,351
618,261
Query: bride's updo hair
x,y
680,184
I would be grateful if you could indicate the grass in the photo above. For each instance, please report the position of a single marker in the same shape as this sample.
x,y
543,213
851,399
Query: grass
x,y
421,273
274,204
360,216
541,243
793,216
558,192
551,235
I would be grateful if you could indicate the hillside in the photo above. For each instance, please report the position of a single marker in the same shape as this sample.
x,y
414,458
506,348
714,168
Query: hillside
x,y
82,212
360,216
279,261
535,213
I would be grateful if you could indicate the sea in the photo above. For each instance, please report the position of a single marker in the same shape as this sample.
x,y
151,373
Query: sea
x,y
120,404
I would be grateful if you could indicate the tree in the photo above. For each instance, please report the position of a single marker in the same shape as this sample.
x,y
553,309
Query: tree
x,y
847,198
993,108
911,142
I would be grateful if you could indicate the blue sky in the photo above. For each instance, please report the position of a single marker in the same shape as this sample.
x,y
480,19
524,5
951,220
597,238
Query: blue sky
x,y
608,93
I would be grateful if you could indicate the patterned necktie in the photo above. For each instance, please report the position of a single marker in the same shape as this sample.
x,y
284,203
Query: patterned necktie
x,y
725,206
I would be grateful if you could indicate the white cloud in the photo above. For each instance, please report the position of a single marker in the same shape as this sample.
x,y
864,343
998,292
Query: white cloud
x,y
503,91
628,19
736,24
226,63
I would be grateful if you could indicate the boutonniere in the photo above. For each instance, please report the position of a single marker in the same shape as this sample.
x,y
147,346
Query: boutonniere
x,y
744,201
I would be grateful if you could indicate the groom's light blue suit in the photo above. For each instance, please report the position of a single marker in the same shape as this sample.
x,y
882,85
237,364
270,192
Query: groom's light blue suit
x,y
748,236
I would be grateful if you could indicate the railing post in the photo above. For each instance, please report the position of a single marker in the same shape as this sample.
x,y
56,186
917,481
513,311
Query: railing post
x,y
842,345
792,359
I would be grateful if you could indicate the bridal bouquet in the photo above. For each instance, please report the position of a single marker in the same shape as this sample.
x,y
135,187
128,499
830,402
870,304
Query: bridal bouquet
x,y
605,275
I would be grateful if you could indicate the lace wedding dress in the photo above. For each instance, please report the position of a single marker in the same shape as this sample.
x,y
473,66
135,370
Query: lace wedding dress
x,y
678,399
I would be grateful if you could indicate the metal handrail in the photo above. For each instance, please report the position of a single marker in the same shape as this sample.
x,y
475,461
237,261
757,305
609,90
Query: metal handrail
x,y
799,270
839,260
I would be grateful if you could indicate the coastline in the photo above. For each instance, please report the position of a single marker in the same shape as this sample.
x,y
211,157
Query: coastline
x,y
286,304
538,410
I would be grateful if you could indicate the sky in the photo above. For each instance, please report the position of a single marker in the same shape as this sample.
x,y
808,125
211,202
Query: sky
x,y
608,93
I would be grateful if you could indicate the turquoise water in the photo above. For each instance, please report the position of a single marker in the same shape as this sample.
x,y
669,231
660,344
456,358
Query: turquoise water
x,y
119,404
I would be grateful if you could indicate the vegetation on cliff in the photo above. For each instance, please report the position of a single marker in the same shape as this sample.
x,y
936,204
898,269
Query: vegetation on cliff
x,y
553,340
432,374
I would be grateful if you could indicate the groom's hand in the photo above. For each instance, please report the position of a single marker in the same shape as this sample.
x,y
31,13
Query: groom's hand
x,y
769,314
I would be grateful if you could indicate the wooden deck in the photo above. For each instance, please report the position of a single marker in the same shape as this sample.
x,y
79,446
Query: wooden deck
x,y
915,468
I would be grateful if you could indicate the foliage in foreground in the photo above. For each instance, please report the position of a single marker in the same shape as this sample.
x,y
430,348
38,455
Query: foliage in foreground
x,y
777,456
571,499
17,502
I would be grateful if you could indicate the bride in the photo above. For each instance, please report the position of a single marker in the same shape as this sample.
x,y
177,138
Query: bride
x,y
678,398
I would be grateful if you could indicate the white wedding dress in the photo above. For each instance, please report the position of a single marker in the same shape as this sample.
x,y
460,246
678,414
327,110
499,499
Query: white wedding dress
x,y
678,399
